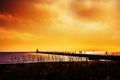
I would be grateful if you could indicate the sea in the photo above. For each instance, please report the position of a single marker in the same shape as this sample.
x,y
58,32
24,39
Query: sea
x,y
33,57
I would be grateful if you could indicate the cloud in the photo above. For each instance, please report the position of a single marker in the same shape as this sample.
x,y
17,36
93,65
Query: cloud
x,y
24,14
72,23
12,39
8,21
15,35
16,7
23,8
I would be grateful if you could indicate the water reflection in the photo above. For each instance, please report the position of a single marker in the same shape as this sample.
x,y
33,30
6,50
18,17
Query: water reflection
x,y
10,58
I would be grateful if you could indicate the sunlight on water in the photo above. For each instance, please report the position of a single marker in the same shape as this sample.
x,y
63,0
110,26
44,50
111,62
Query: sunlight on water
x,y
25,57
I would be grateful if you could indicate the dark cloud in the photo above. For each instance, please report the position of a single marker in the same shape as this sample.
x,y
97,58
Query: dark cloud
x,y
11,11
92,11
2,22
8,21
17,7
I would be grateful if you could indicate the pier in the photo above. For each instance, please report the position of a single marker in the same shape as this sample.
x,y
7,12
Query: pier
x,y
89,56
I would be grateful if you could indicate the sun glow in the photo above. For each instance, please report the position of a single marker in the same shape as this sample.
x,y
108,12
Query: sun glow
x,y
60,25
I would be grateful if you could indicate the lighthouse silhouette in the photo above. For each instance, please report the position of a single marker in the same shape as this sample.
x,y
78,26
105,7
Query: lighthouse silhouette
x,y
37,51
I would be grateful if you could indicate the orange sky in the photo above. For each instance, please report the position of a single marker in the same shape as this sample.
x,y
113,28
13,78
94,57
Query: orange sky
x,y
59,25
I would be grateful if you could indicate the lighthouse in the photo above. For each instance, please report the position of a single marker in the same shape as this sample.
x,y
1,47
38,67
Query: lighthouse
x,y
37,51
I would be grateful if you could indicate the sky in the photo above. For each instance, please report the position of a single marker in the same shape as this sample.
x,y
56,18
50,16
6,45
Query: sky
x,y
59,25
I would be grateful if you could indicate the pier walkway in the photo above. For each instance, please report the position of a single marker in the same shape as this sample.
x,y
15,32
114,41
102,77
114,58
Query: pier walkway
x,y
89,56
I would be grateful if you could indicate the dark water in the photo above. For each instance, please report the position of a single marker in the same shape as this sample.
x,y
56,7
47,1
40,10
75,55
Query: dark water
x,y
31,57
